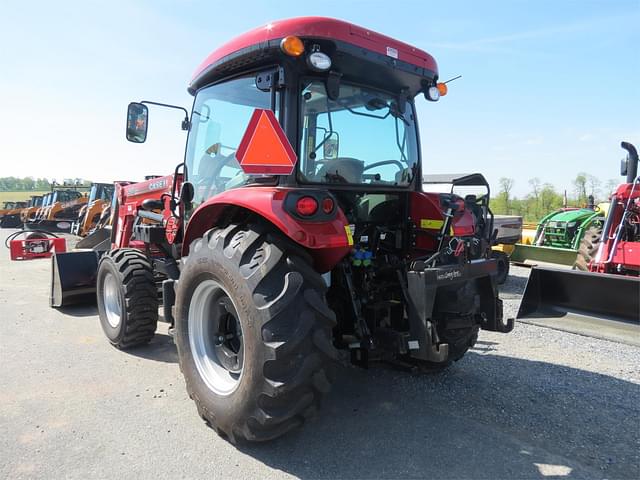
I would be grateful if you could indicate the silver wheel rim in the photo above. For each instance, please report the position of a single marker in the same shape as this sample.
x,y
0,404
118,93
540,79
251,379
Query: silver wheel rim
x,y
111,297
215,337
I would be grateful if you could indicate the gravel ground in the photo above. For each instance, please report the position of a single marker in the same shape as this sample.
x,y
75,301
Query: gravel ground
x,y
531,404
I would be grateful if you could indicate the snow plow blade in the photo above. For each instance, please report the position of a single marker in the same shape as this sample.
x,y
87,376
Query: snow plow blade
x,y
594,304
73,278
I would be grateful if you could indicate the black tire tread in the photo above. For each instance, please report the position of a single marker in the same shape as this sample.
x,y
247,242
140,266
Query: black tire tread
x,y
588,248
503,266
296,338
141,298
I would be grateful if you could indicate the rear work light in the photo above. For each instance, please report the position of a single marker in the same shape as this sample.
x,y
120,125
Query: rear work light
x,y
319,61
307,206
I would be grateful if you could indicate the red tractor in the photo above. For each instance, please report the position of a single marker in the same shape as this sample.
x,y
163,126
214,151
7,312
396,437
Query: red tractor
x,y
617,248
296,228
606,279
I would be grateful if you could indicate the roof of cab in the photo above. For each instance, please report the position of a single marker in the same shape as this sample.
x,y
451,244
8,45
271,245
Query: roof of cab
x,y
319,27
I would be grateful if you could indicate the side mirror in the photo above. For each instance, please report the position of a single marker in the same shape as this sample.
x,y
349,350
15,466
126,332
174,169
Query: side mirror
x,y
137,122
186,193
624,166
331,146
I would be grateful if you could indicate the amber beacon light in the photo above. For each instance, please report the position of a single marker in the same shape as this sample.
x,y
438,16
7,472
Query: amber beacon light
x,y
292,46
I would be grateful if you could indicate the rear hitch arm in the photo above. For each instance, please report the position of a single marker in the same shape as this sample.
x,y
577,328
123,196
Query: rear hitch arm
x,y
366,341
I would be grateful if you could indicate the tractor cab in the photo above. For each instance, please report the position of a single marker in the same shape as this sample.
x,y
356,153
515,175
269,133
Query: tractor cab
x,y
101,191
35,202
64,196
343,96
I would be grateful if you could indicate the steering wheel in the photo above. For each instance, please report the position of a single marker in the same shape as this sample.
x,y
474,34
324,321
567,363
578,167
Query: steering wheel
x,y
221,162
384,162
370,176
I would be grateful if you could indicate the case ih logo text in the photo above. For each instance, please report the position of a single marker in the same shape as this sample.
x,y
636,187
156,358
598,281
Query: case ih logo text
x,y
157,185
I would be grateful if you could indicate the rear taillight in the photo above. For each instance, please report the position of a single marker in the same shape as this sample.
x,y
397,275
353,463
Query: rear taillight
x,y
307,206
327,205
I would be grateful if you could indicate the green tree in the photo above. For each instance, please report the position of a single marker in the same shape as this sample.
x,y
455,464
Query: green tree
x,y
580,188
504,195
549,199
609,187
594,186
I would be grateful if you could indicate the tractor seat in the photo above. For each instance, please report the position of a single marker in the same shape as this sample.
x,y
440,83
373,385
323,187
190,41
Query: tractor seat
x,y
152,204
348,168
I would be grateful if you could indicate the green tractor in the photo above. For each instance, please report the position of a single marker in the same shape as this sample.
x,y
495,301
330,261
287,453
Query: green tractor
x,y
559,235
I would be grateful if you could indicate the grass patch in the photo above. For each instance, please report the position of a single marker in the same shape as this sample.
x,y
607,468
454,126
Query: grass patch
x,y
19,196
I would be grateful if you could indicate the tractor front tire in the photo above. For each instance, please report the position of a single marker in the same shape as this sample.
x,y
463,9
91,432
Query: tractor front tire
x,y
588,248
127,298
253,331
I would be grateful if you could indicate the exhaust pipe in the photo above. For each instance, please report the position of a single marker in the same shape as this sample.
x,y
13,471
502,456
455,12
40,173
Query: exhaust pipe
x,y
631,164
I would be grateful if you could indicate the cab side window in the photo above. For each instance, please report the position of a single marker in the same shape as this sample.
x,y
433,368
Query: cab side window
x,y
220,117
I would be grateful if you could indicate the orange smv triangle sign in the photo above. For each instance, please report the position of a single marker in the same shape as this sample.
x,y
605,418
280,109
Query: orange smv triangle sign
x,y
264,149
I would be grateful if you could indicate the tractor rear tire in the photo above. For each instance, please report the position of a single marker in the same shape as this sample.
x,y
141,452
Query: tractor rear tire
x,y
456,325
503,266
459,341
253,331
127,298
588,248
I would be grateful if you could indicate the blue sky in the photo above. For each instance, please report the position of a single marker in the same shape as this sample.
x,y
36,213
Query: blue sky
x,y
548,88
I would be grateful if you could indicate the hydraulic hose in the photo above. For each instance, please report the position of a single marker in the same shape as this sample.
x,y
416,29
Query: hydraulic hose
x,y
19,232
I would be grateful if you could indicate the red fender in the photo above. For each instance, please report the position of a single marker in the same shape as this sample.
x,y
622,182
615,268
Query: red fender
x,y
327,242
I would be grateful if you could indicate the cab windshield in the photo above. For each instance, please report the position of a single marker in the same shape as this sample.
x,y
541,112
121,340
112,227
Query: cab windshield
x,y
100,192
365,136
65,196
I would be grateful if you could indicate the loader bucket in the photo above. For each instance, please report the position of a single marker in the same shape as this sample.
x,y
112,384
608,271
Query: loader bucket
x,y
99,239
594,304
73,278
533,254
54,226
